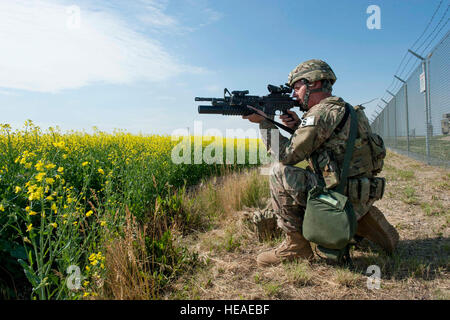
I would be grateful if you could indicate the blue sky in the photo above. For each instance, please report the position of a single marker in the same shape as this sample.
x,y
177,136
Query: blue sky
x,y
137,65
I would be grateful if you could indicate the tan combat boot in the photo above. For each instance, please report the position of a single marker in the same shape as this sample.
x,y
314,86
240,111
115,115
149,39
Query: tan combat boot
x,y
294,246
374,226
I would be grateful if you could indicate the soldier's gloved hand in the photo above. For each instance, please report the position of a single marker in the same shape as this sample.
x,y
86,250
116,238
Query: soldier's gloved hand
x,y
290,120
255,117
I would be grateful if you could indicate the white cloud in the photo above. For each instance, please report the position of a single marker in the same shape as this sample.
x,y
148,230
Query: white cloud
x,y
40,53
7,93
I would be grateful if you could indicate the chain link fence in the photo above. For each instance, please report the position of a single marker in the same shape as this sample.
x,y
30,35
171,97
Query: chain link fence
x,y
416,120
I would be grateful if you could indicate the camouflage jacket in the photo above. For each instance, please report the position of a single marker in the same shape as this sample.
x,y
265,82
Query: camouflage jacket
x,y
316,134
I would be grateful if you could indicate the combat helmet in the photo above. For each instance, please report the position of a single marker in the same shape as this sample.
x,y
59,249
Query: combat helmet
x,y
311,71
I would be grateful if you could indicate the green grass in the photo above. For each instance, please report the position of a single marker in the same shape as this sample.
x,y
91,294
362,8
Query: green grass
x,y
434,208
409,195
272,288
346,277
299,273
439,148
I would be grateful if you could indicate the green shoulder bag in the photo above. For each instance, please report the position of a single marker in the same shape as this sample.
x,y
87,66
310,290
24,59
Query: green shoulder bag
x,y
330,221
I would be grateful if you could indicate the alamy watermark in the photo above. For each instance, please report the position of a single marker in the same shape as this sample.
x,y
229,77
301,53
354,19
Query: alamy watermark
x,y
73,21
374,20
222,149
374,277
75,277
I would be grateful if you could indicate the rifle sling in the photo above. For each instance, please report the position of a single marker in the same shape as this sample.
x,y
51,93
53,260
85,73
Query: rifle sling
x,y
282,126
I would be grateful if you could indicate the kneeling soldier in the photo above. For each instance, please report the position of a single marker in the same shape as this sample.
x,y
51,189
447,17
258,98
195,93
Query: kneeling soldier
x,y
320,137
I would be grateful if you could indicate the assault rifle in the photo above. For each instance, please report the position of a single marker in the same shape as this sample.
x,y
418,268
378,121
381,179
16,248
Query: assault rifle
x,y
236,104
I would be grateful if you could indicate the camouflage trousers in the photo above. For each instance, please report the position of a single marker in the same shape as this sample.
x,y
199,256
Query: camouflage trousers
x,y
289,186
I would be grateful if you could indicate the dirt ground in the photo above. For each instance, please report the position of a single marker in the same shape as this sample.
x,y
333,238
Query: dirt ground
x,y
416,202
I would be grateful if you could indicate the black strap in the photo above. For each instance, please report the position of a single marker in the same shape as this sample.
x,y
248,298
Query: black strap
x,y
343,121
282,126
349,149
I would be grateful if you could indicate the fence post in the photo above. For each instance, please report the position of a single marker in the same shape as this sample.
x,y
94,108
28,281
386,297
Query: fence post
x,y
427,122
405,86
386,114
395,116
428,93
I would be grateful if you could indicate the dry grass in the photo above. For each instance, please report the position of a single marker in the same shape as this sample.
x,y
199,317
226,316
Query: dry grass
x,y
128,266
225,195
415,202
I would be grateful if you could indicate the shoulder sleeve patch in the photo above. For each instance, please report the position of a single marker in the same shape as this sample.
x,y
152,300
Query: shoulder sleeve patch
x,y
308,121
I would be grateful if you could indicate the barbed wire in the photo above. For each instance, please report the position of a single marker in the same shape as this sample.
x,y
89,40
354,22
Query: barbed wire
x,y
395,86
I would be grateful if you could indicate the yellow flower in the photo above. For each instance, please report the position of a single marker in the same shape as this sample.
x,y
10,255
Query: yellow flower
x,y
85,163
64,156
89,213
86,283
60,170
25,239
94,262
92,257
29,227
101,171
18,189
2,208
40,176
54,208
88,268
49,198
32,213
102,266
75,223
50,166
103,223
54,225
86,294
60,144
50,180
39,166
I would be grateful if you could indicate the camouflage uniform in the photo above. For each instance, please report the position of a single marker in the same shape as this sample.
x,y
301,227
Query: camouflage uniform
x,y
321,139
317,134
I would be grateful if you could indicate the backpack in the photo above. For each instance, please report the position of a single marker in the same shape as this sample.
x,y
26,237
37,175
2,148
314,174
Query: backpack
x,y
376,143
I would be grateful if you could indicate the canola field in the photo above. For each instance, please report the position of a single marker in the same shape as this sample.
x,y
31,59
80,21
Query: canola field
x,y
63,194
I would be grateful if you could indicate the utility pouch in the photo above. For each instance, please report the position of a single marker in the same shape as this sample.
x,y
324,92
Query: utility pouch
x,y
329,168
377,186
329,219
378,152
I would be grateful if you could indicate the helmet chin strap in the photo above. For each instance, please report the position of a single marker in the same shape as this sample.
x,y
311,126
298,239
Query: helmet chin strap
x,y
304,105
